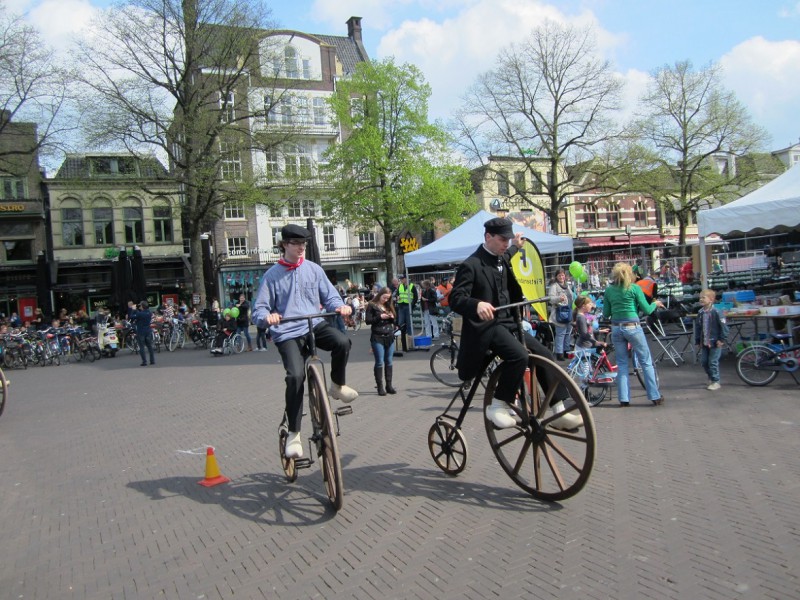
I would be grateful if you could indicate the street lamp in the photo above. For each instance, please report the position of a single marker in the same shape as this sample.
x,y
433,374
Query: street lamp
x,y
628,232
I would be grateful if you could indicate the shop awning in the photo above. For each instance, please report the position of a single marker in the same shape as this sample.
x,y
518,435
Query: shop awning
x,y
622,240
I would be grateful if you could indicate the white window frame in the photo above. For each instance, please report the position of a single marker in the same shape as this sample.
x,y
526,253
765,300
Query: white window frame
x,y
367,241
227,111
237,246
234,210
230,162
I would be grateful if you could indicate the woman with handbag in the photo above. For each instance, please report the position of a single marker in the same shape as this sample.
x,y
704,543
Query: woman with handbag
x,y
561,298
430,310
381,316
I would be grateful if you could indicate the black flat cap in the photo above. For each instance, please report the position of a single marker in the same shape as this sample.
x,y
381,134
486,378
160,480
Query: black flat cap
x,y
499,226
294,232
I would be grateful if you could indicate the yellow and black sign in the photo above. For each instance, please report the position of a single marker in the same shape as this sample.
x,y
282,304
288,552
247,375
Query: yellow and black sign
x,y
12,207
408,243
529,271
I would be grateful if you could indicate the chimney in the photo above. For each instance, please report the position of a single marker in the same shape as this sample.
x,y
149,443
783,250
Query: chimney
x,y
354,28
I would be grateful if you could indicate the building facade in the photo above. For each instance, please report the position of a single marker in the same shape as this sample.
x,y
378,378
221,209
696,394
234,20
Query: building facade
x,y
104,204
23,231
296,74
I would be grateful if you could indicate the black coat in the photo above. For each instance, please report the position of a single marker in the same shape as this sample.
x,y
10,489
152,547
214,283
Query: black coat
x,y
478,279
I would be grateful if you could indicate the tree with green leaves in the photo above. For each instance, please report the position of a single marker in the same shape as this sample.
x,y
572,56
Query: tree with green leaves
x,y
547,105
688,139
173,76
392,170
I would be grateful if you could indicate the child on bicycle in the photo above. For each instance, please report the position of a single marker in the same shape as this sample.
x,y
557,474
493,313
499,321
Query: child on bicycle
x,y
586,342
710,333
294,287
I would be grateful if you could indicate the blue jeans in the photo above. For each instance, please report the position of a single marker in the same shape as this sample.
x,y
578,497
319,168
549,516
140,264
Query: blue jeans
x,y
621,336
383,353
709,360
246,331
563,333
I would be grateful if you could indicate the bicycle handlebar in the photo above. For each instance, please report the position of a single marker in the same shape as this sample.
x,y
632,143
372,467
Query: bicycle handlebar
x,y
306,317
524,303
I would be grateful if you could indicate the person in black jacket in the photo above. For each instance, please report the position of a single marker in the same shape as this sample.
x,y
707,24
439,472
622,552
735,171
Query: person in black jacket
x,y
243,321
381,316
142,317
484,281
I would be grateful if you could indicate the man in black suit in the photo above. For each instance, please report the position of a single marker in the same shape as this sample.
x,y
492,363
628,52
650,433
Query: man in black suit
x,y
483,281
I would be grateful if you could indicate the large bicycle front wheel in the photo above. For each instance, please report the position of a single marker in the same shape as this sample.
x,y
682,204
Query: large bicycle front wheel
x,y
757,366
4,392
443,366
549,463
327,446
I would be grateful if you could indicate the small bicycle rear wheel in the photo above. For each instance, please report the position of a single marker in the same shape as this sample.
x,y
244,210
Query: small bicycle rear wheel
x,y
757,366
549,463
443,366
327,447
447,446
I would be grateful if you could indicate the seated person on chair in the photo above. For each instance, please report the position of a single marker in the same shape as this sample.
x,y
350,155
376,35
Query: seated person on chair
x,y
483,281
225,328
295,287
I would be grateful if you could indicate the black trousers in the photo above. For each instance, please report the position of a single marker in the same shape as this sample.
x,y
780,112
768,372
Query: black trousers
x,y
146,340
293,353
505,344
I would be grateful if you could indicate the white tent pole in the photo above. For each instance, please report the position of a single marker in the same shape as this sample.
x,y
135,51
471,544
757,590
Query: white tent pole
x,y
703,262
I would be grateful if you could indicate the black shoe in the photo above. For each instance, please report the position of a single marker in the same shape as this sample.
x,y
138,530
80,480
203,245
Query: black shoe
x,y
559,357
143,365
152,363
658,401
624,404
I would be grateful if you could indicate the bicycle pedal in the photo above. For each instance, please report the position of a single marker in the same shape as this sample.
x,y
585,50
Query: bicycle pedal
x,y
344,410
302,463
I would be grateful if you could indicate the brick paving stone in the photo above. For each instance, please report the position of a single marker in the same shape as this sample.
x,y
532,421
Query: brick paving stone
x,y
694,499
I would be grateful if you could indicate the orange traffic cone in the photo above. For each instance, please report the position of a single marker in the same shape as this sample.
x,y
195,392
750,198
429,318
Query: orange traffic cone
x,y
213,476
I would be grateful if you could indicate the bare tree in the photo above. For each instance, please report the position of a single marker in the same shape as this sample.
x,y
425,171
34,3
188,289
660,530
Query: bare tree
x,y
689,135
548,104
33,88
174,76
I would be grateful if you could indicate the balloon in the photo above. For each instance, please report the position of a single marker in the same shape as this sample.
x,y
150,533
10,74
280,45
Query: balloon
x,y
575,269
235,312
226,312
584,277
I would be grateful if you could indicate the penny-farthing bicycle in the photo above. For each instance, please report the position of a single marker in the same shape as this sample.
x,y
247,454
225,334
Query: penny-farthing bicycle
x,y
548,463
324,422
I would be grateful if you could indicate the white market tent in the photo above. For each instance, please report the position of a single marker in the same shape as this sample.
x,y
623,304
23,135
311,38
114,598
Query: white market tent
x,y
457,245
772,207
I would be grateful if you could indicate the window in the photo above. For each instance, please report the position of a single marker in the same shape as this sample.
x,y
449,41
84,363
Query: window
x,y
366,241
286,110
328,238
296,161
589,216
276,232
237,246
234,209
13,188
293,209
640,214
134,225
18,250
670,218
502,183
318,105
308,207
301,208
103,218
612,215
230,162
519,182
72,226
226,109
563,222
271,108
290,62
302,117
162,221
357,110
271,168
306,69
536,185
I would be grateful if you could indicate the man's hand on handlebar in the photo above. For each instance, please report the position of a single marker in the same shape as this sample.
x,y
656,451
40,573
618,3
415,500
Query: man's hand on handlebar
x,y
344,310
485,311
273,319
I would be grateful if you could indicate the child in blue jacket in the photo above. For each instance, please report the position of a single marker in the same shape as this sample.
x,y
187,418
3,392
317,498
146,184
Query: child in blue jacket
x,y
710,333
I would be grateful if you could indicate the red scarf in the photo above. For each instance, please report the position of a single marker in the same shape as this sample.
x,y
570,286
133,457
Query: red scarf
x,y
290,266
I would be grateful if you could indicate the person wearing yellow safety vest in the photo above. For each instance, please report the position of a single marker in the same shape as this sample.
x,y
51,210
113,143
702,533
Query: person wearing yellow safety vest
x,y
407,296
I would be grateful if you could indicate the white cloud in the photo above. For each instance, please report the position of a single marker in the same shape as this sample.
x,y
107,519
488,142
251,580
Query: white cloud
x,y
765,75
454,51
60,21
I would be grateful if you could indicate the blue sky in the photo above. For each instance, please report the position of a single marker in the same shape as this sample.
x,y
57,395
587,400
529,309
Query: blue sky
x,y
757,42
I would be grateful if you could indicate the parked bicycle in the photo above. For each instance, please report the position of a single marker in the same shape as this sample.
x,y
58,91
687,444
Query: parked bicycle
x,y
759,364
324,422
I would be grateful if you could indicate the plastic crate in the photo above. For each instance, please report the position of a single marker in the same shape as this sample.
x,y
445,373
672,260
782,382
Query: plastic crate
x,y
745,296
422,341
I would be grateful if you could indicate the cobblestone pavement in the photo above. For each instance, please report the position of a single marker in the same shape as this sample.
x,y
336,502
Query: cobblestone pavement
x,y
100,463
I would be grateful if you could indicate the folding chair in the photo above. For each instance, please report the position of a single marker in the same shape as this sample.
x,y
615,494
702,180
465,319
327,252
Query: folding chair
x,y
665,342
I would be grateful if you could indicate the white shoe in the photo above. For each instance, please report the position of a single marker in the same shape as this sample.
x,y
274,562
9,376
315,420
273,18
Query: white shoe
x,y
714,385
294,446
342,392
567,421
499,413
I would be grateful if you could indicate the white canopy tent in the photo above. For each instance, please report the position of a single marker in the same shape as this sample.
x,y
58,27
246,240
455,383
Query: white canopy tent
x,y
464,239
772,207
